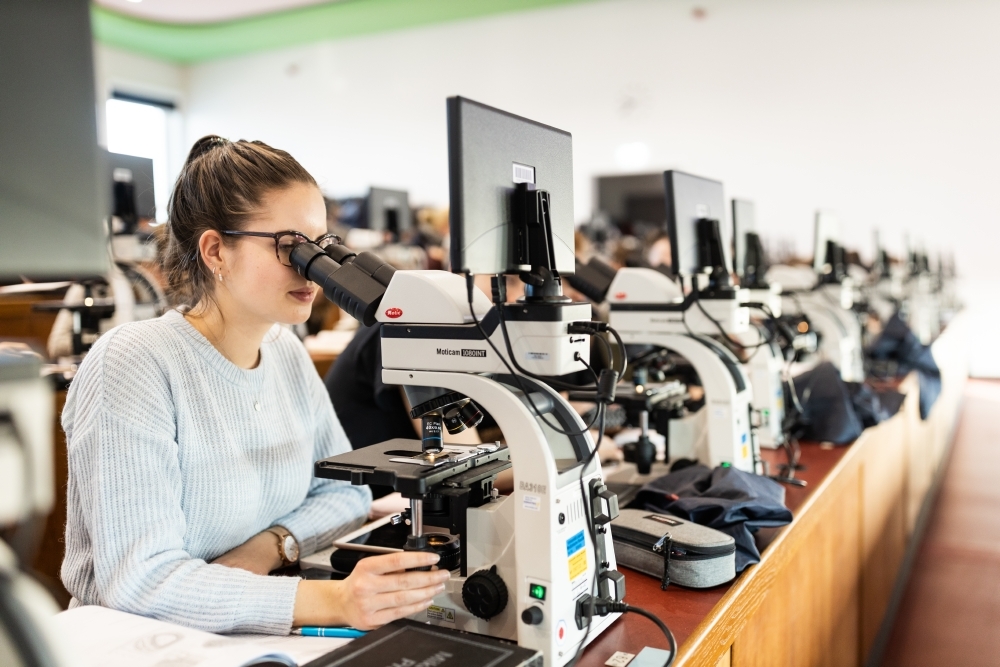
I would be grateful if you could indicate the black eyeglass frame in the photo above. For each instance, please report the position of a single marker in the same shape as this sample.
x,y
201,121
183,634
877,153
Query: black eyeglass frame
x,y
336,240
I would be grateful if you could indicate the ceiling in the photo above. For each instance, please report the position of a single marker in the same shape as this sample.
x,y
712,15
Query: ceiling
x,y
202,11
191,31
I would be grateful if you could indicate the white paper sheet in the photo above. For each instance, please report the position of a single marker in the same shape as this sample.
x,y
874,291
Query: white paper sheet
x,y
100,637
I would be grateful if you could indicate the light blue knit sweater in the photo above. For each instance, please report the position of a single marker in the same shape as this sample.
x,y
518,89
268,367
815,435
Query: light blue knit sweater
x,y
176,455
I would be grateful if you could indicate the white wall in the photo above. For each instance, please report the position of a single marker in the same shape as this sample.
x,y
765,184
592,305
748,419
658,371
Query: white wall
x,y
127,72
884,110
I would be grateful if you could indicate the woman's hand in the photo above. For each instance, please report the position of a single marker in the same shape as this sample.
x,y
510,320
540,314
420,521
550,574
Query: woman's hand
x,y
259,554
378,591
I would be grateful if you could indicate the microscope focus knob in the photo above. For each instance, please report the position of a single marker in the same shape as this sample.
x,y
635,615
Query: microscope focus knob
x,y
485,594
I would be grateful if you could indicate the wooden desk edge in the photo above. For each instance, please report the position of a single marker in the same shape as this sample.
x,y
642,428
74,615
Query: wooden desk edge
x,y
717,632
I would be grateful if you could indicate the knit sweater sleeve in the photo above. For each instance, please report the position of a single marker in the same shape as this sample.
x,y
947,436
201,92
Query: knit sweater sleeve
x,y
127,480
332,507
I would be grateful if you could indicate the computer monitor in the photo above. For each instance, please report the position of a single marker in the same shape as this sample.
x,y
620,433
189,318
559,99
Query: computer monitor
x,y
497,162
749,261
53,194
744,221
632,201
881,263
699,238
389,211
826,242
131,180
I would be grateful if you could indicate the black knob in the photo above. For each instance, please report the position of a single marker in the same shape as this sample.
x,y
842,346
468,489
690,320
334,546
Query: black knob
x,y
485,594
532,616
562,518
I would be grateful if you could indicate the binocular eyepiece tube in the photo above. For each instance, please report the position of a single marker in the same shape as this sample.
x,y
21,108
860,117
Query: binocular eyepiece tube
x,y
355,282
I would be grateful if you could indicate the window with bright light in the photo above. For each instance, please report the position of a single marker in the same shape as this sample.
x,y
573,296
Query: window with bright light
x,y
142,130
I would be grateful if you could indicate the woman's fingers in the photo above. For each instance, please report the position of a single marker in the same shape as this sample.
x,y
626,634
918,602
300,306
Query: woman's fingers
x,y
404,581
398,562
407,597
389,615
384,590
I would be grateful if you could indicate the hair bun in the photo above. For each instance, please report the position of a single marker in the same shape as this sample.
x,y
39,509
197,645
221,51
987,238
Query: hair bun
x,y
204,145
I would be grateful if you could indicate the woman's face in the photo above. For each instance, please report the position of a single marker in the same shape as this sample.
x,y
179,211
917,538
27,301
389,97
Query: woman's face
x,y
259,286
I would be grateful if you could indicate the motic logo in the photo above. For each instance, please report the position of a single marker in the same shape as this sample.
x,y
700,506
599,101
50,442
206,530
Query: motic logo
x,y
620,295
393,312
464,352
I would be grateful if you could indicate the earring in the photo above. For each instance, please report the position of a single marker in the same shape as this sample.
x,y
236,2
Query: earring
x,y
220,276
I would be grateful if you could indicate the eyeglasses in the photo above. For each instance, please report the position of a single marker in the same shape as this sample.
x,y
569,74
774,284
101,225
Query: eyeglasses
x,y
285,242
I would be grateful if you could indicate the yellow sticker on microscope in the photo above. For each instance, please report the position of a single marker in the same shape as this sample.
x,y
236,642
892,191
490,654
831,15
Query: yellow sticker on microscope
x,y
577,564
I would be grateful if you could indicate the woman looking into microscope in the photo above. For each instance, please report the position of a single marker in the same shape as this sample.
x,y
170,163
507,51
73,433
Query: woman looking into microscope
x,y
192,437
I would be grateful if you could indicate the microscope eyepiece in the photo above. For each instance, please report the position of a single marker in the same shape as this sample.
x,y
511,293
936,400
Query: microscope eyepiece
x,y
354,282
341,254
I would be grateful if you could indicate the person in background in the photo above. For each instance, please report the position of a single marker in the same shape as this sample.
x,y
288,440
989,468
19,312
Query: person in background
x,y
192,437
658,256
372,411
369,410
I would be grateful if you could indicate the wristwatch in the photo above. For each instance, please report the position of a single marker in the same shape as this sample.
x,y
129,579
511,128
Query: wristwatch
x,y
288,547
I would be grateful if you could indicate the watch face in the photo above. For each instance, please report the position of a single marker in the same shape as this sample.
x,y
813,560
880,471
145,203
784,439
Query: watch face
x,y
291,548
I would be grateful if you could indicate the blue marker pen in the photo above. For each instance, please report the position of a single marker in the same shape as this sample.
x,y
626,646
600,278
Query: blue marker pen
x,y
338,633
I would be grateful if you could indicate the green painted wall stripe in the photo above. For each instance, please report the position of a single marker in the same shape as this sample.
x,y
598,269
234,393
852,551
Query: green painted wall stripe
x,y
186,43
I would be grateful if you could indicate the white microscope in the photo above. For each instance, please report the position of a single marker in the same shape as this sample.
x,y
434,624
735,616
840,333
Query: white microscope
x,y
922,304
826,298
529,561
885,289
765,358
27,490
648,308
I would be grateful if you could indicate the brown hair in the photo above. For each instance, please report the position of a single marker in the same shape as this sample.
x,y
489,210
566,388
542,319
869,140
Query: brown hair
x,y
220,186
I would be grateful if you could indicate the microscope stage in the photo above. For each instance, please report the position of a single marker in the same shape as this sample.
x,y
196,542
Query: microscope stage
x,y
401,464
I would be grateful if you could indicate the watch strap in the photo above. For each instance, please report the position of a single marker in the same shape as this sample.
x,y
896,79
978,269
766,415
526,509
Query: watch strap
x,y
281,532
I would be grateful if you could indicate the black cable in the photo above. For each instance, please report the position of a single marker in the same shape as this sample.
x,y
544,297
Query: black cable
x,y
608,349
663,628
599,416
794,393
686,325
557,384
732,342
621,346
764,341
517,378
764,308
603,607
590,531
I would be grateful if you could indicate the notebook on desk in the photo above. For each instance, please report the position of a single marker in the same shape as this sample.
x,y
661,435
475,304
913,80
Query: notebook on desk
x,y
406,642
101,637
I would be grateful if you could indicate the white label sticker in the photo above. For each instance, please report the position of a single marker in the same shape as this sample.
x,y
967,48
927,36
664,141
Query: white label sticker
x,y
536,356
620,659
523,173
436,613
579,586
533,503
